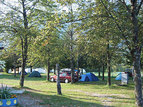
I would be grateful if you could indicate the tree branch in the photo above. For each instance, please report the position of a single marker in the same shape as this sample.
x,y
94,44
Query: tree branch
x,y
118,26
11,7
76,20
140,24
139,7
124,3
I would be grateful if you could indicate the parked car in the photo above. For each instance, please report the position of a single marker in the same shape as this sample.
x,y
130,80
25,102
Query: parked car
x,y
64,77
81,70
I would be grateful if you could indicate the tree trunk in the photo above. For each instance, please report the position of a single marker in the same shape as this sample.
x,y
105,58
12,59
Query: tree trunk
x,y
72,72
31,69
108,66
136,54
48,70
99,72
14,71
71,47
18,70
103,73
24,45
71,58
22,73
137,79
78,67
58,80
54,70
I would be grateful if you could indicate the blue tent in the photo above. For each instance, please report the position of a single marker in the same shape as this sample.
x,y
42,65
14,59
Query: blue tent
x,y
25,73
84,78
119,76
89,77
35,74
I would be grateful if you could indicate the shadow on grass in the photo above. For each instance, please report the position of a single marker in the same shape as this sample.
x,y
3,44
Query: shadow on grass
x,y
115,84
72,100
63,101
33,90
11,76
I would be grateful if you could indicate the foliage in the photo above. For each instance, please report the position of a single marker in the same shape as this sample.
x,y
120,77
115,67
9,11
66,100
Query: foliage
x,y
11,59
5,93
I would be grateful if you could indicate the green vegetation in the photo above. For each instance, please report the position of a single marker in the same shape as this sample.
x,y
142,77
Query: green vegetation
x,y
87,94
5,93
94,34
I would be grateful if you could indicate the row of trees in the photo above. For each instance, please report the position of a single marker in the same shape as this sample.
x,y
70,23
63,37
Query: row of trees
x,y
74,33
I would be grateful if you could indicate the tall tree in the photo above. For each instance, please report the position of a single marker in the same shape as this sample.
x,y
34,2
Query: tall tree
x,y
69,17
101,42
19,21
46,48
129,12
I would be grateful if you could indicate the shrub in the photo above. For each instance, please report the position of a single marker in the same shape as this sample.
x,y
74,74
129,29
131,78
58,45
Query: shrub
x,y
5,93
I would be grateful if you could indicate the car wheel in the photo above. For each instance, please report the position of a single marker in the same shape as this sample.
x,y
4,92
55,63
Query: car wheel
x,y
52,79
66,81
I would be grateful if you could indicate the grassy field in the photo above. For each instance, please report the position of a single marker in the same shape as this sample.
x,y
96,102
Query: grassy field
x,y
80,94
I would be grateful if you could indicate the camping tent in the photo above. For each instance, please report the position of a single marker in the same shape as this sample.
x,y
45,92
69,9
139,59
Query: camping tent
x,y
84,78
119,76
89,77
35,74
25,73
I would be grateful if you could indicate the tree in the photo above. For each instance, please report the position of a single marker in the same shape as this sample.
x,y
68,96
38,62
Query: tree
x,y
20,23
133,40
69,31
58,80
46,47
100,42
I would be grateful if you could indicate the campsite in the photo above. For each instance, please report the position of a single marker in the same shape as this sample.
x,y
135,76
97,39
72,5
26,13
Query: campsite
x,y
71,53
80,94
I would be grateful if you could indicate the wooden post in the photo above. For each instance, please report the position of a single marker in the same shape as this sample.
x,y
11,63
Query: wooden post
x,y
58,80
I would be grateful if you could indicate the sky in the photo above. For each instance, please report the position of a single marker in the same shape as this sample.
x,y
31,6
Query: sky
x,y
4,8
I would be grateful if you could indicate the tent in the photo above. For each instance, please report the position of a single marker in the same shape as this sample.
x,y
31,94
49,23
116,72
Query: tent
x,y
84,78
89,77
119,76
35,74
25,73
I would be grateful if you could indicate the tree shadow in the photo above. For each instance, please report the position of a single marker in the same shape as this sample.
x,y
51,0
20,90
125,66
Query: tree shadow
x,y
116,85
11,77
61,101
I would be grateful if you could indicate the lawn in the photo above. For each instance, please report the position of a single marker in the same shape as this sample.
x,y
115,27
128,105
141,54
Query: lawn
x,y
80,94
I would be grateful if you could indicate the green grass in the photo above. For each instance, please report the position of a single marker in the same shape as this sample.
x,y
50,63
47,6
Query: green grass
x,y
80,94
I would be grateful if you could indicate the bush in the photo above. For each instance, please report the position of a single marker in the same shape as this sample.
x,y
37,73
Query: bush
x,y
5,93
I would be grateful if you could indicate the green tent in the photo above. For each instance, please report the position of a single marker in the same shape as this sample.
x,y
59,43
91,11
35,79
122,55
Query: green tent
x,y
35,74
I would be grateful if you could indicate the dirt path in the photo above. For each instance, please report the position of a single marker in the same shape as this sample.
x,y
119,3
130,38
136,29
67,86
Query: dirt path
x,y
108,97
26,100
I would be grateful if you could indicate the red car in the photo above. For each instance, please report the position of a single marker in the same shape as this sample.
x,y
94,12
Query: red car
x,y
64,77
